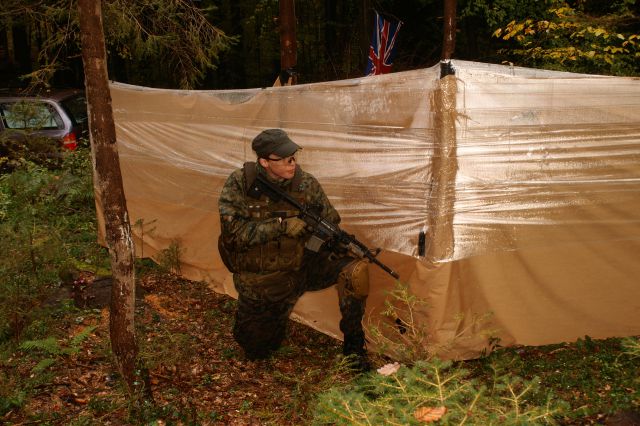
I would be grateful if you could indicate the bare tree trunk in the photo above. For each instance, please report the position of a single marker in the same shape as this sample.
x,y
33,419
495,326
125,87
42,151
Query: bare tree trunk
x,y
365,34
11,49
288,45
108,183
33,29
449,41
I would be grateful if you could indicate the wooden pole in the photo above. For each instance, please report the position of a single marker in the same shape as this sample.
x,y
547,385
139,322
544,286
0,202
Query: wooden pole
x,y
288,45
449,29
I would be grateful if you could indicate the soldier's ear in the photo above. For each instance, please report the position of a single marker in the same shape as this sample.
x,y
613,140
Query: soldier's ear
x,y
264,163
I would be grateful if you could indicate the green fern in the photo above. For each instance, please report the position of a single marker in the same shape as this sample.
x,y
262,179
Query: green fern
x,y
8,403
51,347
43,365
76,342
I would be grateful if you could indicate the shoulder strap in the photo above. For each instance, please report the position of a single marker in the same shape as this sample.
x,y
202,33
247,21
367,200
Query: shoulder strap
x,y
251,171
297,180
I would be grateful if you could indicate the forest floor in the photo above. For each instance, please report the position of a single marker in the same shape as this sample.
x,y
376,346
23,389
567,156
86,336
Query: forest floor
x,y
197,372
198,375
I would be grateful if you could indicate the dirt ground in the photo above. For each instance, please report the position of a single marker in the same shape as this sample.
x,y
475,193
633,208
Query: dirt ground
x,y
198,375
197,372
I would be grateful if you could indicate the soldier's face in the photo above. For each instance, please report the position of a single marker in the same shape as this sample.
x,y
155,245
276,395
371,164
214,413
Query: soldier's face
x,y
278,167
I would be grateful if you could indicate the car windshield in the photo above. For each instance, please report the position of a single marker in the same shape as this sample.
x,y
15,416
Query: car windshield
x,y
77,108
30,115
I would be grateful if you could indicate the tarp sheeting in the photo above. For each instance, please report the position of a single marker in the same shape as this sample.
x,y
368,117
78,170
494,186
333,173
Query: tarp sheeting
x,y
525,183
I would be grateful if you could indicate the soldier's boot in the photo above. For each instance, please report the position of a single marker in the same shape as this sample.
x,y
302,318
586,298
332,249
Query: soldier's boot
x,y
353,289
354,349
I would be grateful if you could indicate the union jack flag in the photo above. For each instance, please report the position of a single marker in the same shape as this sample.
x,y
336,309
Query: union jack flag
x,y
382,48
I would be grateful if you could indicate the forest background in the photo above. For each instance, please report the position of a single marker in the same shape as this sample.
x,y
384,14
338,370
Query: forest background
x,y
144,39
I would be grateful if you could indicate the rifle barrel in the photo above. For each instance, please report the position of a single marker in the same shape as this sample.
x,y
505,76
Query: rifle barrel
x,y
384,267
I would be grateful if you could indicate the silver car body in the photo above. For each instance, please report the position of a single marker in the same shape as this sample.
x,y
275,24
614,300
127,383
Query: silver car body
x,y
60,116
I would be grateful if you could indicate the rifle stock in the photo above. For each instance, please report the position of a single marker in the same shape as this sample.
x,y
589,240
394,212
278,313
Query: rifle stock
x,y
323,230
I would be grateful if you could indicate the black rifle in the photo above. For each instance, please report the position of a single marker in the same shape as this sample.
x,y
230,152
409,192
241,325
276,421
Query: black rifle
x,y
323,230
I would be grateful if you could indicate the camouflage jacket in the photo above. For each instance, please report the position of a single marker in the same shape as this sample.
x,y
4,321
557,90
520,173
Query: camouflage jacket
x,y
241,230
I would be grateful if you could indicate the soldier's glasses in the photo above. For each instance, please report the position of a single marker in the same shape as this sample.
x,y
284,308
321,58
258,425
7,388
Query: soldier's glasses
x,y
288,160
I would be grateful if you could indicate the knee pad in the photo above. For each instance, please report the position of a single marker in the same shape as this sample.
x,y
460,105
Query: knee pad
x,y
353,279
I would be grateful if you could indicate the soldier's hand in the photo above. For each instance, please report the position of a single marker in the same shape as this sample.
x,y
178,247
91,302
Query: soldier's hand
x,y
294,226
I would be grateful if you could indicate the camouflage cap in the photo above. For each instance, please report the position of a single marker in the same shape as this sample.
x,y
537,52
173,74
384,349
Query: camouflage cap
x,y
274,141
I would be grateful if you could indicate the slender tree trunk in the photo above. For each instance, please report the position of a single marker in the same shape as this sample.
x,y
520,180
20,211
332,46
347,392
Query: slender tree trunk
x,y
365,34
11,50
449,41
33,30
288,45
108,183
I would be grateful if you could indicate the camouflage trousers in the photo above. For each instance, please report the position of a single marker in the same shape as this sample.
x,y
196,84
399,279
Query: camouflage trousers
x,y
265,302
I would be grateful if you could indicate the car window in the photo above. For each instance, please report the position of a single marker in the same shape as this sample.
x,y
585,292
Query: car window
x,y
76,107
30,115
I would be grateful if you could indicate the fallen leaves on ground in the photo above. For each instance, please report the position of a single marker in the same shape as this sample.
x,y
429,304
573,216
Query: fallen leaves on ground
x,y
429,414
197,372
389,369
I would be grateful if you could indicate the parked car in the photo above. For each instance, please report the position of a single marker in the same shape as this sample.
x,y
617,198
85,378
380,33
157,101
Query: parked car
x,y
59,116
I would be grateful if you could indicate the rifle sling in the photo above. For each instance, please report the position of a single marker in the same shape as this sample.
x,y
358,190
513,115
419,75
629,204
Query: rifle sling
x,y
250,169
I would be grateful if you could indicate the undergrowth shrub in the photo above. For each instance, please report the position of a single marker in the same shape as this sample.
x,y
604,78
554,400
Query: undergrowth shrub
x,y
631,347
170,258
16,152
440,389
401,331
47,226
422,388
144,228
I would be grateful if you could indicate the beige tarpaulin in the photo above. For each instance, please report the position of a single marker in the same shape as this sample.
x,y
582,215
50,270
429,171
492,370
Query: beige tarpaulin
x,y
526,184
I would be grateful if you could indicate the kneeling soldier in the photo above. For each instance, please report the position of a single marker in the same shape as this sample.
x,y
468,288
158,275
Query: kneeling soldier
x,y
263,243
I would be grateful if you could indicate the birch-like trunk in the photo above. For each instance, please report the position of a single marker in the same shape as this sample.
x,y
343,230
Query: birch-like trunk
x,y
108,185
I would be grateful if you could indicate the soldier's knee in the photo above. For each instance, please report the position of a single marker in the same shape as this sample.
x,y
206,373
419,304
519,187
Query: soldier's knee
x,y
353,279
259,340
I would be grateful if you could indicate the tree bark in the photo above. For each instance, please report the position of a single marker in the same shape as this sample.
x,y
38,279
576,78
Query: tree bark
x,y
365,34
288,45
32,35
109,190
11,50
449,40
